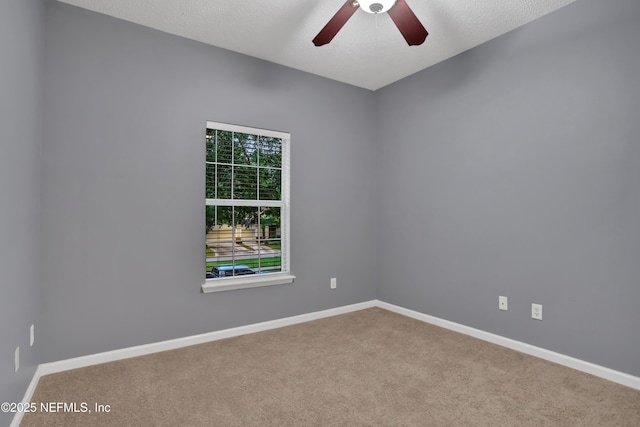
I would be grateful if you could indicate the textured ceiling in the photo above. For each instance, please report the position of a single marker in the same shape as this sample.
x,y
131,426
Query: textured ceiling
x,y
368,52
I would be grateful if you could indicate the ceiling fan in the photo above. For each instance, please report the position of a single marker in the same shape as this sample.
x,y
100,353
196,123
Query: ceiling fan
x,y
404,18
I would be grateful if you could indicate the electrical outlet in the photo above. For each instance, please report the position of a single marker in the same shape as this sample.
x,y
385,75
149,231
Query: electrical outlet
x,y
32,336
503,304
536,311
17,358
333,283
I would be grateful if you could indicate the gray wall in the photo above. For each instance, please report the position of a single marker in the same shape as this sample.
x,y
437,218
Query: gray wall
x,y
21,66
513,169
125,113
508,170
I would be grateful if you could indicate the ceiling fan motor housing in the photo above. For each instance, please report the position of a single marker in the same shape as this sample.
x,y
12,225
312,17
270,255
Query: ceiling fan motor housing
x,y
376,6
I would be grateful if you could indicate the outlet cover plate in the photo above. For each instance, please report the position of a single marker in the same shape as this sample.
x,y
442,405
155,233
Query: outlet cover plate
x,y
503,303
536,311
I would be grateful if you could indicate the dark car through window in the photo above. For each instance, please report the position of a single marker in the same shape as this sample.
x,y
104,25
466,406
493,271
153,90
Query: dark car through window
x,y
229,271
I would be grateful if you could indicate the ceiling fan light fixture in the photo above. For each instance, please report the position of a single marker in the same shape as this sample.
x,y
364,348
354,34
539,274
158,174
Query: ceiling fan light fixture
x,y
376,6
401,14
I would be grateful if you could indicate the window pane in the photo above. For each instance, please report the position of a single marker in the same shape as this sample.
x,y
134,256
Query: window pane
x,y
221,217
246,217
224,147
219,231
211,145
210,181
245,183
220,244
224,182
245,149
270,152
269,240
211,221
270,184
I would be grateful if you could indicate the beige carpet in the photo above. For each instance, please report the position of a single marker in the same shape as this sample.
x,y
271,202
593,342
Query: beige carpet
x,y
367,368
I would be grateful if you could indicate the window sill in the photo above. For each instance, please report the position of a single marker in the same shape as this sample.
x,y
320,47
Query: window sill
x,y
219,285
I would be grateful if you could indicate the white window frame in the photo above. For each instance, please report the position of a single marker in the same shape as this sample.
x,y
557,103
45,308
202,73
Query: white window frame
x,y
268,279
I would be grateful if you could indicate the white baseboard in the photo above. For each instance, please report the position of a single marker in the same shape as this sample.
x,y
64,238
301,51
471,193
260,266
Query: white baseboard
x,y
560,359
141,350
17,418
125,353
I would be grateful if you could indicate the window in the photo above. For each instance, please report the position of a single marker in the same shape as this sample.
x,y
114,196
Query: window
x,y
247,207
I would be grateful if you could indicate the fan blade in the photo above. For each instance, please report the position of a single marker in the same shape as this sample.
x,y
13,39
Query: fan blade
x,y
408,24
336,23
